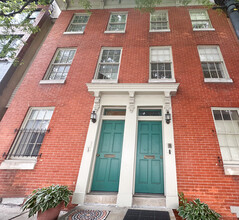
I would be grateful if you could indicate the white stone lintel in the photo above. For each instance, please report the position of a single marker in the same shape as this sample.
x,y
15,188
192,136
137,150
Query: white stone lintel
x,y
169,88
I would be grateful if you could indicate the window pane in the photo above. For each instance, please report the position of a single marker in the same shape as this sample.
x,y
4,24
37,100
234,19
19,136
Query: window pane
x,y
116,27
114,112
118,18
226,115
217,114
150,112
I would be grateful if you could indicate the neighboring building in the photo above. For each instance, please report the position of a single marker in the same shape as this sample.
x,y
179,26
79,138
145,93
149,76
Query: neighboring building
x,y
11,75
162,91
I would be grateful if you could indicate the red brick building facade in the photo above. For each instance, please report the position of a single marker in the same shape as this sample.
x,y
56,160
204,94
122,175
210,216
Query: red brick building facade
x,y
201,170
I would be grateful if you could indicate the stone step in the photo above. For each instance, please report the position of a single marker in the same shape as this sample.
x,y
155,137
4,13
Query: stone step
x,y
108,199
149,201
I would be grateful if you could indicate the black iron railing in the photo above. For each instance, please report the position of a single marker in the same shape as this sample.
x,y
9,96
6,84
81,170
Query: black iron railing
x,y
27,143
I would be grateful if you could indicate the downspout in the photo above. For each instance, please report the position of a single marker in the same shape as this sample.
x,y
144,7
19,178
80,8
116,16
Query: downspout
x,y
232,11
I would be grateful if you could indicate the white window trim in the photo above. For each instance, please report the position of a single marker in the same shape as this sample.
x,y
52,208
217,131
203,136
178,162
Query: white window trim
x,y
47,81
162,30
46,76
117,32
77,32
230,167
217,80
95,80
227,78
201,29
172,67
22,163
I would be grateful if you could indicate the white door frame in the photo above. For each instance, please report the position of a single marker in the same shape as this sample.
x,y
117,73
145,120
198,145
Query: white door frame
x,y
133,96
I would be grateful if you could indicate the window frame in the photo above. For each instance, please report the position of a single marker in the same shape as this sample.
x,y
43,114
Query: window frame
x,y
46,79
95,79
227,78
172,66
230,167
23,162
108,25
201,29
161,30
72,18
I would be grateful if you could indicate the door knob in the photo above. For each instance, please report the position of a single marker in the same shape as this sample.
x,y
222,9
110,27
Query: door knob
x,y
97,155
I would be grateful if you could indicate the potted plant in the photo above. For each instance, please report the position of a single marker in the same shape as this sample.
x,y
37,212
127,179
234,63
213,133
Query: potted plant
x,y
195,210
47,201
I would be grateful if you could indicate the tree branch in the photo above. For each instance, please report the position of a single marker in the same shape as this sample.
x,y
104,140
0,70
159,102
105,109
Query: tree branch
x,y
18,11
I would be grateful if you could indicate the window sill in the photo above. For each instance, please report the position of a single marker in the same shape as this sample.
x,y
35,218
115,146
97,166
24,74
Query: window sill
x,y
59,81
104,81
74,32
164,30
114,32
204,29
161,80
231,169
18,164
211,80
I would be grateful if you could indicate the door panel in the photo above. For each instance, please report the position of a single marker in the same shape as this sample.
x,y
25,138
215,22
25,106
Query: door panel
x,y
108,160
149,162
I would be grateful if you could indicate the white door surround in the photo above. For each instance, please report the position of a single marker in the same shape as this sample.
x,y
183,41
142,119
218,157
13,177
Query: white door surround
x,y
133,97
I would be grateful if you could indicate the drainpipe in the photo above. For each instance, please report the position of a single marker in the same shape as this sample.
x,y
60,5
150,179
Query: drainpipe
x,y
231,7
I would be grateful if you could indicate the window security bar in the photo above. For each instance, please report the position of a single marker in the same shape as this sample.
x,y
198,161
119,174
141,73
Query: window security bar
x,y
27,143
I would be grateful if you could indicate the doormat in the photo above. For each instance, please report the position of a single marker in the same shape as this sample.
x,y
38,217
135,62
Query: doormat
x,y
88,215
134,214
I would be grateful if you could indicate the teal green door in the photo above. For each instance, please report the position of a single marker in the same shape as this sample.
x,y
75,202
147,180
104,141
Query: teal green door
x,y
149,162
108,157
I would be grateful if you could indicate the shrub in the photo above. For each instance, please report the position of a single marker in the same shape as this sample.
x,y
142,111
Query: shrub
x,y
46,198
195,210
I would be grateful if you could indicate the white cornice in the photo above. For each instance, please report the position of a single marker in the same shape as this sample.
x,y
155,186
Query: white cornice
x,y
167,88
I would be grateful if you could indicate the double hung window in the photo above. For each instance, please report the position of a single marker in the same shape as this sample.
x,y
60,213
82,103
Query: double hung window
x,y
60,65
227,127
159,21
212,63
108,65
161,68
200,20
78,23
30,136
117,22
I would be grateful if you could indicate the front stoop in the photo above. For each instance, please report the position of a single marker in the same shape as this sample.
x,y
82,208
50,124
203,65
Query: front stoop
x,y
107,201
116,213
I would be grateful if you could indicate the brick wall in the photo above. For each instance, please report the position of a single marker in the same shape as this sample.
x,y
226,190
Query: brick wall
x,y
198,171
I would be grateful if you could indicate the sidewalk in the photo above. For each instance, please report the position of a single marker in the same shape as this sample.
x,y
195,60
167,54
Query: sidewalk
x,y
10,209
